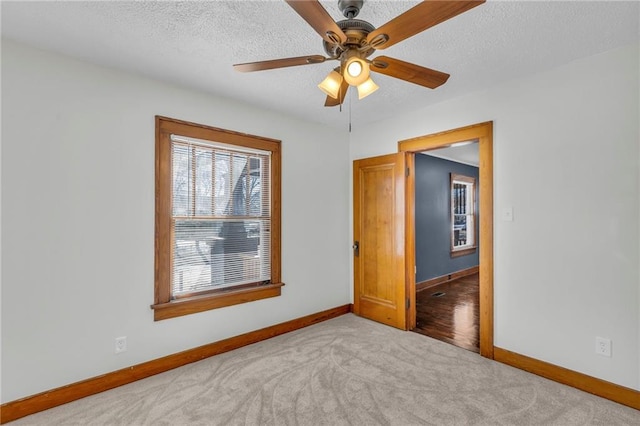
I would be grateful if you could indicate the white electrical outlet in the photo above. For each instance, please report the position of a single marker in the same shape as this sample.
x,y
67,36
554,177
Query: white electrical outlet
x,y
121,344
603,346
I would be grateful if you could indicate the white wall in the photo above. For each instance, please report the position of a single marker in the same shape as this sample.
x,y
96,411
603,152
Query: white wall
x,y
566,149
77,226
78,220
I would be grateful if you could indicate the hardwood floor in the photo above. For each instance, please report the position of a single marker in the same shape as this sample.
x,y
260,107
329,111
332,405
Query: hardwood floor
x,y
452,317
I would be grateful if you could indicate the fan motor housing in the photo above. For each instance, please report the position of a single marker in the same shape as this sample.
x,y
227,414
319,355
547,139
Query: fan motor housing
x,y
356,31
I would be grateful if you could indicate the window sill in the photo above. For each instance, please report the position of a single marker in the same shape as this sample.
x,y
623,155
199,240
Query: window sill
x,y
463,252
192,305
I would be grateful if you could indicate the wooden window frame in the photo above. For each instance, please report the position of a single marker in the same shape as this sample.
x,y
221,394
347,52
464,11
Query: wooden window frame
x,y
464,250
164,307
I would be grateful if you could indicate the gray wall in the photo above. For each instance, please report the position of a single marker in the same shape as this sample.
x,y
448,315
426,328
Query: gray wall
x,y
433,221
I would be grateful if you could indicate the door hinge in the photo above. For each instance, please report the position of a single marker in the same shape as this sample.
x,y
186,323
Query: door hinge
x,y
407,172
408,303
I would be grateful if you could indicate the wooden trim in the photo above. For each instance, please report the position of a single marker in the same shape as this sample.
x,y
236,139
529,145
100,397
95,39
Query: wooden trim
x,y
276,214
357,207
446,138
483,133
164,307
463,252
43,401
201,131
599,387
462,178
485,188
163,216
410,240
423,285
192,305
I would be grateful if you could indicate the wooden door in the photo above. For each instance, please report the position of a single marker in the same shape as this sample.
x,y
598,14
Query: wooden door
x,y
379,239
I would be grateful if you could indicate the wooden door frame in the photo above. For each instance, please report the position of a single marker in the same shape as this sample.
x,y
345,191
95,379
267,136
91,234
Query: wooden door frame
x,y
483,133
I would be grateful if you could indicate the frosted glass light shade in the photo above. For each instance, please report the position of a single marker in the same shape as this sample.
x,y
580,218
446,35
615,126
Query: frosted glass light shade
x,y
331,84
356,71
366,88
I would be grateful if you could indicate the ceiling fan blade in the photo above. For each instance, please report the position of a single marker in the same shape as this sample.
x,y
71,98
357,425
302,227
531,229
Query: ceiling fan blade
x,y
418,18
342,93
331,102
409,72
318,17
279,63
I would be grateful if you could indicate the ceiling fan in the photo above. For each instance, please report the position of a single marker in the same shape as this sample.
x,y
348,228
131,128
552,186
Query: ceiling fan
x,y
351,41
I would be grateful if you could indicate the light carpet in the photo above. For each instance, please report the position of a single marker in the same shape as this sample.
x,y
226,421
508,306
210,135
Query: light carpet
x,y
345,371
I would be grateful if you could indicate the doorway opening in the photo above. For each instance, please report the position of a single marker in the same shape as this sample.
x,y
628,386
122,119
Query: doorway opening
x,y
451,314
483,134
446,244
384,288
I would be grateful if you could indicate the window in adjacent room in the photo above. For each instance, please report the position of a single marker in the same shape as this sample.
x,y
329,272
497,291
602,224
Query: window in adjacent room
x,y
217,218
463,218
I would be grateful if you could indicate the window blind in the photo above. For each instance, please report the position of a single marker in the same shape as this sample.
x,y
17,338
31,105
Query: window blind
x,y
221,216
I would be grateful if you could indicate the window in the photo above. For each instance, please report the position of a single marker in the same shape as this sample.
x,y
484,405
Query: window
x,y
463,220
217,218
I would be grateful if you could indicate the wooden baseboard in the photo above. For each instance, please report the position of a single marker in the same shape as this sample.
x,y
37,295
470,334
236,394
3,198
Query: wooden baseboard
x,y
444,278
599,387
43,401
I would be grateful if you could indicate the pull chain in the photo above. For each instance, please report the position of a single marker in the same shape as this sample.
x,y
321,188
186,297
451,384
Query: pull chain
x,y
349,113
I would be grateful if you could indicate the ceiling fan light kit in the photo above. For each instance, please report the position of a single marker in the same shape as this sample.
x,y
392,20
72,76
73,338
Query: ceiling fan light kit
x,y
331,84
356,71
367,88
351,41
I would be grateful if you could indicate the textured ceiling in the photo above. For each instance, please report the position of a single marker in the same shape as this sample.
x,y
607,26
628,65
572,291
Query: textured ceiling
x,y
194,44
467,154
